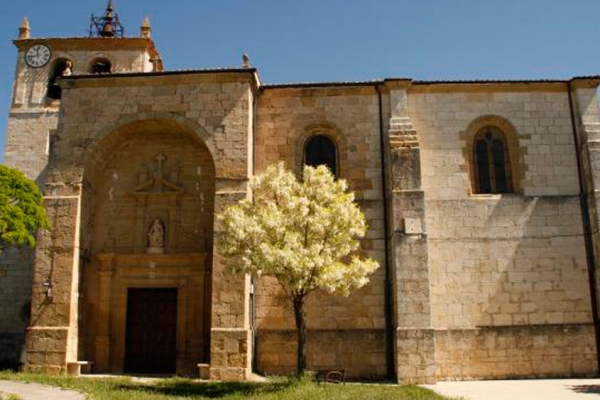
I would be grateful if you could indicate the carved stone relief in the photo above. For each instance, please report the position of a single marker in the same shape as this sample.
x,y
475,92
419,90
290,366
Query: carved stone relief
x,y
148,181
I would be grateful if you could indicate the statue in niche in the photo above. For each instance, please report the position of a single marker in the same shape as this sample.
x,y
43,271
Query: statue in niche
x,y
156,238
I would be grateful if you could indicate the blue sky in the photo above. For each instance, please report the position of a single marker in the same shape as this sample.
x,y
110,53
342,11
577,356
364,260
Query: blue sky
x,y
341,40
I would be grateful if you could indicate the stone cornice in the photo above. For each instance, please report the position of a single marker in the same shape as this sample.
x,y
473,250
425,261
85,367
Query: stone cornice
x,y
496,86
160,78
586,82
397,83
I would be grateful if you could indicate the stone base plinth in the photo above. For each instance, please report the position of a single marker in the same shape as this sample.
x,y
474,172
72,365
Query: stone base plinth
x,y
360,352
415,356
228,374
77,368
204,371
509,352
230,354
46,350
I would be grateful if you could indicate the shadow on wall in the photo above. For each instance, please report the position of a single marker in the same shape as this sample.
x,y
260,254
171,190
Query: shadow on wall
x,y
15,295
515,268
508,260
543,280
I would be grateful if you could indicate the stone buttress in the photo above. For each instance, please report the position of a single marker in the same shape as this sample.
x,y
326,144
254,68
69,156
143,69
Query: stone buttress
x,y
414,336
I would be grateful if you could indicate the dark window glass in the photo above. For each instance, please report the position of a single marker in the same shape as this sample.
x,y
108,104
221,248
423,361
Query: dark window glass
x,y
491,161
320,150
483,168
500,167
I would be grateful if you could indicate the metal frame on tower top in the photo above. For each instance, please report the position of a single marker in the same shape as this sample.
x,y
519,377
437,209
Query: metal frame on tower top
x,y
108,25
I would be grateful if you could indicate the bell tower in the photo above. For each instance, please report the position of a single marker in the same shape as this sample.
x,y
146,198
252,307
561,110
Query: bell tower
x,y
42,62
33,121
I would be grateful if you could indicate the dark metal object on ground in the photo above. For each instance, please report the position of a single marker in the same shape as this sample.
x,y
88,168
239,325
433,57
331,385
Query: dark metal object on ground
x,y
331,376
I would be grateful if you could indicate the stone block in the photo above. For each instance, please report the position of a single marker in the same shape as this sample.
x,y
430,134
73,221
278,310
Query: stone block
x,y
204,371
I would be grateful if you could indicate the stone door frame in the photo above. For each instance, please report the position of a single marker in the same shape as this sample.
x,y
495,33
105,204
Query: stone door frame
x,y
188,273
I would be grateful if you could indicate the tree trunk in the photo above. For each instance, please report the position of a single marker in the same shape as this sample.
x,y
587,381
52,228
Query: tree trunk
x,y
300,313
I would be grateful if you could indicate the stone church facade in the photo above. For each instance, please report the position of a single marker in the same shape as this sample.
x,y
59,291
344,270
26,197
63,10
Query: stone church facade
x,y
480,197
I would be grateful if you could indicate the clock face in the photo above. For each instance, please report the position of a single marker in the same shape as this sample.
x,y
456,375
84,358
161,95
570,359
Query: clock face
x,y
37,56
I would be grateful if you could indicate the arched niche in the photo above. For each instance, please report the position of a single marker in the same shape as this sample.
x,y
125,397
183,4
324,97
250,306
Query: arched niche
x,y
147,170
139,173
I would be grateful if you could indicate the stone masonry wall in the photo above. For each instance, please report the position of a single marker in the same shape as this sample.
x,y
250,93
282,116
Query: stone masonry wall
x,y
212,108
28,142
506,352
346,333
33,117
414,342
587,124
509,286
15,295
507,275
328,349
30,85
31,127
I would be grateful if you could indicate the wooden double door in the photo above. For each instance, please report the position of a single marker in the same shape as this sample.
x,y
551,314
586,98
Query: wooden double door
x,y
151,334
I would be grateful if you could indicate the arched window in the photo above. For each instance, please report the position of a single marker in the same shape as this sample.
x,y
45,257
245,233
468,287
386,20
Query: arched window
x,y
491,162
101,66
61,67
321,150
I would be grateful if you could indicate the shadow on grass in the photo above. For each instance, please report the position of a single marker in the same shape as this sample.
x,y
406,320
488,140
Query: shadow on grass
x,y
213,390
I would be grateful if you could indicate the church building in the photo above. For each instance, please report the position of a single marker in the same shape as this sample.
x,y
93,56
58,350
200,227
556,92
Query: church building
x,y
480,197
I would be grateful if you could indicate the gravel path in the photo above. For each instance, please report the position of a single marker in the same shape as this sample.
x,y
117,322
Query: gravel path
x,y
35,391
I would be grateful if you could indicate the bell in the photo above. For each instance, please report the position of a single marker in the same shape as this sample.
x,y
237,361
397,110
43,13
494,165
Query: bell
x,y
107,30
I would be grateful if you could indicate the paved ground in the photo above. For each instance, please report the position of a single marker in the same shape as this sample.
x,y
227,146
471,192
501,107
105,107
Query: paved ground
x,y
35,391
542,389
539,389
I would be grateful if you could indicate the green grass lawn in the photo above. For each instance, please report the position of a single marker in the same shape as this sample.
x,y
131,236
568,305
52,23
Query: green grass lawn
x,y
10,397
179,388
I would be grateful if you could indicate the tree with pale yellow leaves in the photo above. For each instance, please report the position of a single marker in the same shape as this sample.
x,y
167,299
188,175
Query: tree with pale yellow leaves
x,y
304,233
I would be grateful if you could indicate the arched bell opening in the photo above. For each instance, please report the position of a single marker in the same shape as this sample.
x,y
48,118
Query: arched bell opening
x,y
100,66
60,67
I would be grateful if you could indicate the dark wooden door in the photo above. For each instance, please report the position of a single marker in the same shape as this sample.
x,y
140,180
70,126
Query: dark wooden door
x,y
151,331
